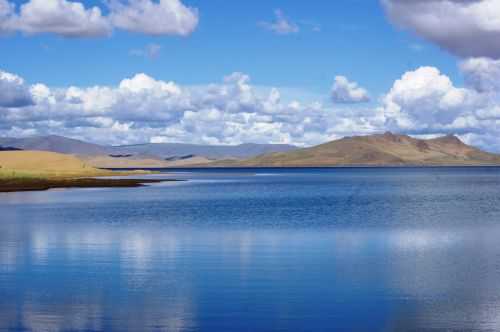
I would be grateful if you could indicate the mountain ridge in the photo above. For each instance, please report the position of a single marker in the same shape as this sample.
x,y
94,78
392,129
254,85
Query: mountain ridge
x,y
386,149
161,151
53,143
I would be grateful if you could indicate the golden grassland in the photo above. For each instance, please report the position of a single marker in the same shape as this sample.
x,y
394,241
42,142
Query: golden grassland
x,y
42,164
12,173
39,170
35,164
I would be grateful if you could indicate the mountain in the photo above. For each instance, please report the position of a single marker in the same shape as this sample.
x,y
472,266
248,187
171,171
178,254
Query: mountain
x,y
160,151
169,150
54,143
381,149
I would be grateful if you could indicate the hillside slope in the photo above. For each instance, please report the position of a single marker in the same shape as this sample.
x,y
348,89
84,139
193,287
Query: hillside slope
x,y
42,163
380,149
54,143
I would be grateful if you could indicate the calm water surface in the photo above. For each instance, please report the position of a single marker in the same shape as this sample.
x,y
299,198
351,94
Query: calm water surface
x,y
257,250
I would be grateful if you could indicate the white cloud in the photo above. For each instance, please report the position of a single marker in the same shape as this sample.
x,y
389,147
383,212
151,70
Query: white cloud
x,y
166,17
40,92
424,99
142,109
426,102
468,28
13,91
62,17
281,25
6,13
72,19
347,92
144,83
492,113
482,74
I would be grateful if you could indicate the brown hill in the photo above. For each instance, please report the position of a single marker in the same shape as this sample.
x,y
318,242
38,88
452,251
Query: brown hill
x,y
379,150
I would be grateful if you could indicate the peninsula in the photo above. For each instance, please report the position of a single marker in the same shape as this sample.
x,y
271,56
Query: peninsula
x,y
42,170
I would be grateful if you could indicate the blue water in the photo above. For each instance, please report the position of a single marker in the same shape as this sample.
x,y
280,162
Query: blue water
x,y
350,249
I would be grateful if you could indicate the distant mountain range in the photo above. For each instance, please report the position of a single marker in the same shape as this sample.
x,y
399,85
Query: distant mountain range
x,y
378,150
373,150
179,150
54,143
163,151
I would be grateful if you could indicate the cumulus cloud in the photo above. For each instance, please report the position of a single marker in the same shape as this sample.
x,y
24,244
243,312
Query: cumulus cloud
x,y
141,83
424,99
426,102
142,108
13,91
482,74
281,25
166,17
62,17
347,92
72,19
468,28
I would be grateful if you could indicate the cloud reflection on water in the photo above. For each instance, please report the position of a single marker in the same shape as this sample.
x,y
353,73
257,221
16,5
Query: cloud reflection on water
x,y
157,273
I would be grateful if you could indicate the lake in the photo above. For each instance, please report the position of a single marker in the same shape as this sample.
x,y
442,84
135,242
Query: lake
x,y
350,249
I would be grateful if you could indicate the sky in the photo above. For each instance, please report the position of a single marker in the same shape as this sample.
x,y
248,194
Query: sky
x,y
230,72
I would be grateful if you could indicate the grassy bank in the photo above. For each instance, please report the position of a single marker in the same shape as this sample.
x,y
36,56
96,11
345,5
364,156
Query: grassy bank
x,y
36,170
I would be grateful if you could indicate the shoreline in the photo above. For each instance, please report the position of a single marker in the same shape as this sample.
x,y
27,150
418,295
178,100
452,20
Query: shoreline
x,y
40,184
156,169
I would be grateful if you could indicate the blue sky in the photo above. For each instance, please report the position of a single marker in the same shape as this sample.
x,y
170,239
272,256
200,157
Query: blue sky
x,y
229,72
355,39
